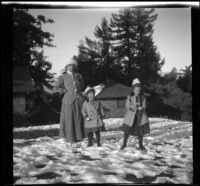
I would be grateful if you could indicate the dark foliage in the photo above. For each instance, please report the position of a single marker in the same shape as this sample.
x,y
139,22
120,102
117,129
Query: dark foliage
x,y
123,49
170,99
135,50
28,41
185,82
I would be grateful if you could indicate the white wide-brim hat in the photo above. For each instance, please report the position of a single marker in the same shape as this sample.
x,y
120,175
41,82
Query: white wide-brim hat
x,y
71,61
136,82
88,90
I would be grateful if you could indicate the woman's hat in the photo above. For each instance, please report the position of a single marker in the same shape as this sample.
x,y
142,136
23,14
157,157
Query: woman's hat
x,y
88,90
72,61
136,83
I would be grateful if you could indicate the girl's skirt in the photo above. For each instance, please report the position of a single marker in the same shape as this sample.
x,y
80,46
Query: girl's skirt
x,y
136,129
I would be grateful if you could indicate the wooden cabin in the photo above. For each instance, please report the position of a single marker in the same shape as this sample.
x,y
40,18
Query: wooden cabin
x,y
113,98
22,94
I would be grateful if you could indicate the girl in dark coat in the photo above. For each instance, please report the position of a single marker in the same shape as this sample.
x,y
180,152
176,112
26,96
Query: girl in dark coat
x,y
136,121
93,116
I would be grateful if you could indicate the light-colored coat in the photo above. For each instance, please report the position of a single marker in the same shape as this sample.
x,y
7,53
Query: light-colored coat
x,y
95,112
71,86
131,106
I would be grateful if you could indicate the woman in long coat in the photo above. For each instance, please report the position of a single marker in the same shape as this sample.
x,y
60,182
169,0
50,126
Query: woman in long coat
x,y
136,122
71,121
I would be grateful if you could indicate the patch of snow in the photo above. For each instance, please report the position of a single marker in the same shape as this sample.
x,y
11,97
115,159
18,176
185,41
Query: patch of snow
x,y
165,180
66,163
43,127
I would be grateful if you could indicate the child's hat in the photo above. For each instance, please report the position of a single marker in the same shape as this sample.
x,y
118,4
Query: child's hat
x,y
88,90
136,83
71,61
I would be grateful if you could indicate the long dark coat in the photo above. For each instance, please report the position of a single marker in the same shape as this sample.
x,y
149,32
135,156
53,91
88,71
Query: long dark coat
x,y
71,120
95,112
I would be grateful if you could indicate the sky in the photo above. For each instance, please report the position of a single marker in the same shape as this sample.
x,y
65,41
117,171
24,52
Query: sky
x,y
172,33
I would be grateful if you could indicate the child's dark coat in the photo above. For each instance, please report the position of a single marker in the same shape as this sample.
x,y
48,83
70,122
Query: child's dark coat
x,y
95,112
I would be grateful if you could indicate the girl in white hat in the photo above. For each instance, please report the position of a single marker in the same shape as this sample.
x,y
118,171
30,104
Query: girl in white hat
x,y
93,116
135,122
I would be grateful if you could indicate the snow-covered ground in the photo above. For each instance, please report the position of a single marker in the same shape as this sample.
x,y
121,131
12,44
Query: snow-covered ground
x,y
49,160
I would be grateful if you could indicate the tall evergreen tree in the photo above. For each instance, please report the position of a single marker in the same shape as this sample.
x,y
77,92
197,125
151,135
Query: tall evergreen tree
x,y
88,61
132,38
28,41
103,35
39,70
96,61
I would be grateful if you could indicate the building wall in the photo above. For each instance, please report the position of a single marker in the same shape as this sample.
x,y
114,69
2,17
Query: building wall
x,y
19,117
19,104
114,108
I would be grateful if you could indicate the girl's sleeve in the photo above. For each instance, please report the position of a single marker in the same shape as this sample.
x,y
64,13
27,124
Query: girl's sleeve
x,y
130,106
127,105
59,86
84,111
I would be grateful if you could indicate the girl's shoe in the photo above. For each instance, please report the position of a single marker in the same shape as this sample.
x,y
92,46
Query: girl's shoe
x,y
142,148
89,144
123,147
90,140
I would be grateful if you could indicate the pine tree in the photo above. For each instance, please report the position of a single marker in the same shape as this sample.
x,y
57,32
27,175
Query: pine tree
x,y
122,50
39,70
28,42
87,61
133,44
103,35
96,56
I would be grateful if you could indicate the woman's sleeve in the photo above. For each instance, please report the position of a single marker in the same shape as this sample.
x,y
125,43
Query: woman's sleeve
x,y
101,110
144,106
59,86
84,111
82,83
